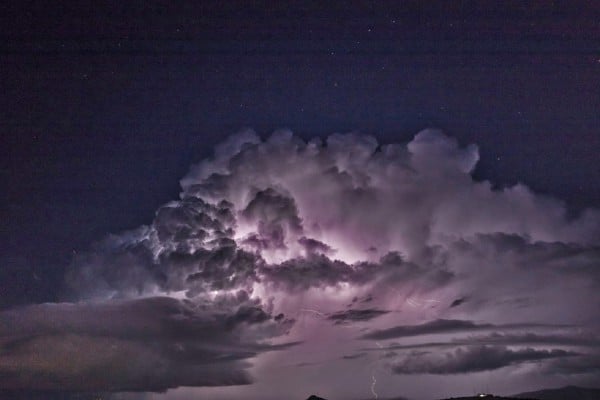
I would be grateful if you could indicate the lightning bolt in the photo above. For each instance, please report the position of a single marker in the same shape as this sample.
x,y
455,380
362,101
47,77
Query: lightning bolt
x,y
310,310
412,302
373,383
417,303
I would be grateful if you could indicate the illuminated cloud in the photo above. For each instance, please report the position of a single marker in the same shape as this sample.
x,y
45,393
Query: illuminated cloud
x,y
399,237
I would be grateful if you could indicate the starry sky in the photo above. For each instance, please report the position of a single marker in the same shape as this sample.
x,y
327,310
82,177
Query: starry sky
x,y
259,200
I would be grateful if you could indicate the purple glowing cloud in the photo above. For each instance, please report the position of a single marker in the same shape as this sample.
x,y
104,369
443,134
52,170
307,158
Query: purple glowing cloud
x,y
267,229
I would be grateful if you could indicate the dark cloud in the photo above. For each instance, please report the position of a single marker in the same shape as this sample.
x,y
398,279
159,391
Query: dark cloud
x,y
306,364
191,219
355,315
471,359
532,339
223,268
365,299
305,272
354,356
440,326
188,247
319,270
433,327
389,354
54,395
314,246
564,339
586,364
275,216
142,345
563,257
566,392
458,302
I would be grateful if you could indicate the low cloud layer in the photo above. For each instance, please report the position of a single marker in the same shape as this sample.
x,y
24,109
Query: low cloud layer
x,y
510,339
378,242
471,359
353,315
135,345
441,326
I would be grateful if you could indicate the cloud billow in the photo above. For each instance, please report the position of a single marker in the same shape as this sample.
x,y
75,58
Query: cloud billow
x,y
266,228
356,315
147,344
472,359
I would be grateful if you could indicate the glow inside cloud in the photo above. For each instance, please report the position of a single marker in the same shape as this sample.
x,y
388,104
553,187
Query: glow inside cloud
x,y
285,254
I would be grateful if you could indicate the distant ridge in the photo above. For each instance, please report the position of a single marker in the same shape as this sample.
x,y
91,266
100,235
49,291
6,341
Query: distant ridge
x,y
313,397
388,398
564,393
491,397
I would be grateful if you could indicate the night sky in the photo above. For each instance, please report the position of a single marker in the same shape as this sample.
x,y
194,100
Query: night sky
x,y
263,200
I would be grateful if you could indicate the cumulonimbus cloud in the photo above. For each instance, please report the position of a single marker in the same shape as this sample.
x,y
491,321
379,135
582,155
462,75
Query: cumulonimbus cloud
x,y
401,233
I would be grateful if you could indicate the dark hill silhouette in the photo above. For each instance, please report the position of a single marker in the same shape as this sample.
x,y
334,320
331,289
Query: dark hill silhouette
x,y
564,393
313,397
488,397
387,398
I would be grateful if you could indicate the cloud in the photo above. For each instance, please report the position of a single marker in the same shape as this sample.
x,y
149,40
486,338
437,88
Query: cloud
x,y
458,302
587,364
441,326
313,246
276,218
293,215
355,315
471,359
148,344
511,275
266,228
530,338
427,328
510,339
354,356
319,271
54,395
